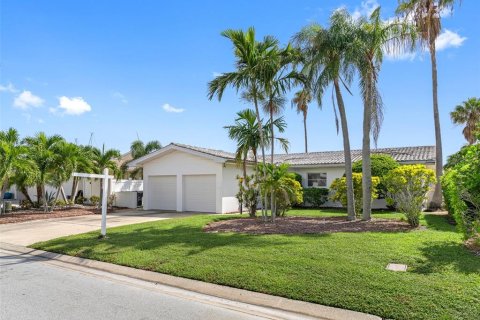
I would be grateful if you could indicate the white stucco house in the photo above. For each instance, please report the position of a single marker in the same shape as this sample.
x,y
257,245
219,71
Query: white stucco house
x,y
187,178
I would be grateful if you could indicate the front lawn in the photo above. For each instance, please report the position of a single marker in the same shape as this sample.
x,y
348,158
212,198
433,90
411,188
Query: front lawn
x,y
345,270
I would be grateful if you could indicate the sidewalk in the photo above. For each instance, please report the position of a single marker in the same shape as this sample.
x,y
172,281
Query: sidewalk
x,y
233,294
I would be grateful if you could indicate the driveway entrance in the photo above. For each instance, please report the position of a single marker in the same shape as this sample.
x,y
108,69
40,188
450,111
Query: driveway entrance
x,y
26,233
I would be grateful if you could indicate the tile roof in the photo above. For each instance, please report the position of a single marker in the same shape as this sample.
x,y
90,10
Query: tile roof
x,y
401,154
212,152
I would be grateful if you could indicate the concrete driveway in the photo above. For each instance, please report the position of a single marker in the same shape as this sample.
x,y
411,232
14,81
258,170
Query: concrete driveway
x,y
26,233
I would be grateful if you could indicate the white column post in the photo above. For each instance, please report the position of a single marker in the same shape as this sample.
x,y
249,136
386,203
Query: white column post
x,y
104,202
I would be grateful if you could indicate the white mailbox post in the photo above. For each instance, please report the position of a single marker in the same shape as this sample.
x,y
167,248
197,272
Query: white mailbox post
x,y
104,178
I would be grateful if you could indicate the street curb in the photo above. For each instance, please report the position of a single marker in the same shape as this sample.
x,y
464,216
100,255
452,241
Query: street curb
x,y
234,294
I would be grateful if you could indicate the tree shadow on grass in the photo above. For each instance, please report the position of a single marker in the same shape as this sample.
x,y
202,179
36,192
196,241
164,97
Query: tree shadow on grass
x,y
445,255
186,239
438,222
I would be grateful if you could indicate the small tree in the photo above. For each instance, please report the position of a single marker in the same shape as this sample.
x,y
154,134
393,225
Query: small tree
x,y
247,195
339,191
408,186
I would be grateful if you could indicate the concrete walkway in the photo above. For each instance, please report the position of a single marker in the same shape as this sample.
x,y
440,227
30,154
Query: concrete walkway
x,y
29,232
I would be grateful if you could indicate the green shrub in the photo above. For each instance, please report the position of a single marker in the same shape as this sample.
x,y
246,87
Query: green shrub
x,y
25,204
95,200
461,189
315,197
381,164
60,203
298,177
408,186
80,200
339,190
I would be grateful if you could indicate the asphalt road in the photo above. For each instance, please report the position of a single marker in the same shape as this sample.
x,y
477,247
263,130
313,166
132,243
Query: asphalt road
x,y
36,288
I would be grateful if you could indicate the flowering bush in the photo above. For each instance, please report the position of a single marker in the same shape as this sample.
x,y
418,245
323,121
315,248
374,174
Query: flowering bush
x,y
408,186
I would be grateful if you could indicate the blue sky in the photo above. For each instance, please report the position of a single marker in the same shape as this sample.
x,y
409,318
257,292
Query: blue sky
x,y
125,68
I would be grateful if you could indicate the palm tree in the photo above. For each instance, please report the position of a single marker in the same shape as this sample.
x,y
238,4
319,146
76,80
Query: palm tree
x,y
330,55
425,14
468,114
104,159
41,150
300,101
375,35
253,62
245,133
13,158
252,59
139,149
69,158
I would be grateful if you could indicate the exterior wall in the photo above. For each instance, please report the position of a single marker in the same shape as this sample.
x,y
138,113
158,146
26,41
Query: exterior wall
x,y
332,174
230,187
181,163
127,199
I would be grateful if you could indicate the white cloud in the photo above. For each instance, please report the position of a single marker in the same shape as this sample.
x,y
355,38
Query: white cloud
x,y
216,74
40,120
8,88
169,108
120,96
26,99
72,106
449,39
366,9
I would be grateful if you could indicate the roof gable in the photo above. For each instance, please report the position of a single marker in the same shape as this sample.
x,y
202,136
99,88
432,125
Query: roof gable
x,y
215,155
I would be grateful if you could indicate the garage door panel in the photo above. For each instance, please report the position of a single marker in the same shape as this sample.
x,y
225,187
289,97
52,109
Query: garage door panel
x,y
163,192
199,193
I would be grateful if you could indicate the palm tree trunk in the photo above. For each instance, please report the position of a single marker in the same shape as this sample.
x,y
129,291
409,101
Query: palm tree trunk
x,y
305,130
366,165
437,195
346,151
74,188
24,191
39,193
272,195
262,144
3,189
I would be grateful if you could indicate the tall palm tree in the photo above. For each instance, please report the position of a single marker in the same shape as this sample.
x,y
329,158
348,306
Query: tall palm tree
x,y
138,149
13,158
329,59
251,60
105,159
41,150
300,101
425,14
468,114
253,63
375,35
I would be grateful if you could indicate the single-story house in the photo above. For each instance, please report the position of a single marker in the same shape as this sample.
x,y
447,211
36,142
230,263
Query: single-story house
x,y
187,178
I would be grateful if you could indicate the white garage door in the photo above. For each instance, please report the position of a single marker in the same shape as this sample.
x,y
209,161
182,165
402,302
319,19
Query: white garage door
x,y
162,192
199,193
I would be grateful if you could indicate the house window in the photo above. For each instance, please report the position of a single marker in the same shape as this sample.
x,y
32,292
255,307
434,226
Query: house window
x,y
317,179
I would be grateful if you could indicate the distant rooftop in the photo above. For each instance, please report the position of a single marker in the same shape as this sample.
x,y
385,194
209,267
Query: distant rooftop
x,y
400,154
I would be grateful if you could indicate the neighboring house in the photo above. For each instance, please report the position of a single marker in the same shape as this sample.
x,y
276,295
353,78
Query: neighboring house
x,y
187,178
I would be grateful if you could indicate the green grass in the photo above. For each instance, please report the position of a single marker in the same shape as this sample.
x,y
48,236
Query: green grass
x,y
345,270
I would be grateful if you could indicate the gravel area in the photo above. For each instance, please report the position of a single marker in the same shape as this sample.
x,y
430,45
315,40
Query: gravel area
x,y
28,215
299,225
